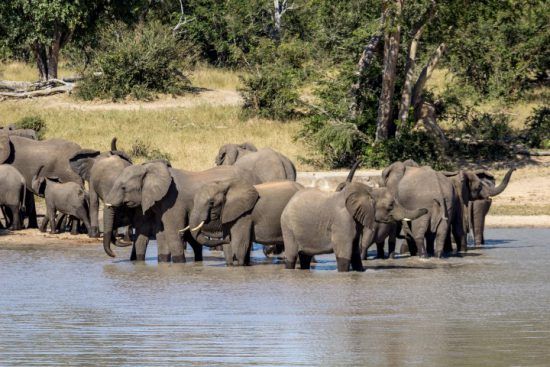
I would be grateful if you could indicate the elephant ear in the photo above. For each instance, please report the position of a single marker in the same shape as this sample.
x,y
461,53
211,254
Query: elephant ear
x,y
155,185
122,155
396,168
5,148
38,185
248,146
239,199
82,162
360,204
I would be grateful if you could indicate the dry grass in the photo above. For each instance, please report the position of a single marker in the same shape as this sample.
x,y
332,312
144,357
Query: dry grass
x,y
191,136
205,76
20,71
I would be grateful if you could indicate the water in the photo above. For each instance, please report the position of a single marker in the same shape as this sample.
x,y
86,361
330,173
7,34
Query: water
x,y
75,306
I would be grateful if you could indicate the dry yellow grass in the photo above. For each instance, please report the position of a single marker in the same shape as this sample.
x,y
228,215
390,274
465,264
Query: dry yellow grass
x,y
191,136
20,71
204,76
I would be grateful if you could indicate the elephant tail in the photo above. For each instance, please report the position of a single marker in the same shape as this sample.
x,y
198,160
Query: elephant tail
x,y
24,196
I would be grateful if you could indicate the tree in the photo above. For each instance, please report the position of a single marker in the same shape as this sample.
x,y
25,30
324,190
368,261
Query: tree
x,y
46,26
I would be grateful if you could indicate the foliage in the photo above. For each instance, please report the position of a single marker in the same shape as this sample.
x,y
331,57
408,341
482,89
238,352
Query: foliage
x,y
537,134
141,149
32,122
137,63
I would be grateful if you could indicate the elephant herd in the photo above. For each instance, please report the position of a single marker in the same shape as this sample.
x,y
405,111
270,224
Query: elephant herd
x,y
250,196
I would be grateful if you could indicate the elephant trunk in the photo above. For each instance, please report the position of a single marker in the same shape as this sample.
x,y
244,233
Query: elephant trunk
x,y
353,169
400,213
108,221
500,188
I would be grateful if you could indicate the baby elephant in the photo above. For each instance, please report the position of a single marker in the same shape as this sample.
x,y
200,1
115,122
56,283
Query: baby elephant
x,y
237,214
12,193
316,222
69,198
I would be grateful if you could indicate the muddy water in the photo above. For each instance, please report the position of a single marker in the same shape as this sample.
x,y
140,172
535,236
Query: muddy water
x,y
75,306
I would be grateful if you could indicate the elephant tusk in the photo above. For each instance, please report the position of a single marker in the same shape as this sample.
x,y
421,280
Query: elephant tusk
x,y
198,227
108,205
407,220
183,230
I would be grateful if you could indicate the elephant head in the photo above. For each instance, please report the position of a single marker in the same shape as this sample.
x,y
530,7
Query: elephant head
x,y
82,161
221,202
39,183
137,185
477,185
5,147
229,153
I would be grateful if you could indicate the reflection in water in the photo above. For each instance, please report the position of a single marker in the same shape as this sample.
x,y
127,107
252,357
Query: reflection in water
x,y
62,305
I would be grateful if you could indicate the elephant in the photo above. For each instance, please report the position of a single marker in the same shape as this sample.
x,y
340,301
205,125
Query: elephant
x,y
13,189
26,133
478,209
69,198
470,189
166,195
267,164
422,187
29,156
317,222
238,214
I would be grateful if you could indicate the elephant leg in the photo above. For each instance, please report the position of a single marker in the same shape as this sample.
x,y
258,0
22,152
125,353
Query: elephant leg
x,y
16,217
342,265
228,254
305,261
31,209
419,229
440,237
241,232
94,214
163,249
52,219
356,262
3,213
82,215
44,224
430,241
460,239
391,244
380,250
74,226
197,248
291,248
140,247
365,253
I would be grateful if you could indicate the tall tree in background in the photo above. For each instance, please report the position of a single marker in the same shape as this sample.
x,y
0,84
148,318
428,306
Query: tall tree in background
x,y
46,26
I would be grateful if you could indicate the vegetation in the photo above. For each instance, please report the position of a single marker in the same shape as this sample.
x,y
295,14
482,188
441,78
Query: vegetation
x,y
33,122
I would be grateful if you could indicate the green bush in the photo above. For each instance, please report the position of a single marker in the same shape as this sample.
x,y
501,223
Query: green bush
x,y
537,132
137,63
271,92
35,123
141,149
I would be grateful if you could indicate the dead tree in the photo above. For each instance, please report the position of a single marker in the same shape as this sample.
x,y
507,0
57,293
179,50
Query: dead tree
x,y
280,7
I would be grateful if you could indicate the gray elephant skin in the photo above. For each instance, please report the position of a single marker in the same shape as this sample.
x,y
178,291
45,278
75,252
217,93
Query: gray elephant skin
x,y
239,214
267,164
316,222
68,198
422,187
29,156
13,189
166,195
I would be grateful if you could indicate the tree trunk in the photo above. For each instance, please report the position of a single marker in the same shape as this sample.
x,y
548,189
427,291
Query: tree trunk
x,y
424,76
369,52
406,94
391,53
277,15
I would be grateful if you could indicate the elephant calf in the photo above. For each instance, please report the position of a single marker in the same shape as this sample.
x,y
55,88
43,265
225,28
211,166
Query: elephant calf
x,y
69,198
237,214
12,194
316,222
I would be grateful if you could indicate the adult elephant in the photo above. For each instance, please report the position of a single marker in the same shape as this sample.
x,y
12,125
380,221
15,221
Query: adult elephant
x,y
422,187
479,209
166,195
267,164
30,156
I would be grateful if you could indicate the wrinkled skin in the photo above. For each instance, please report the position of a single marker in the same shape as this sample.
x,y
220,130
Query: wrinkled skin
x,y
267,164
30,156
166,195
68,198
316,222
237,214
12,195
422,187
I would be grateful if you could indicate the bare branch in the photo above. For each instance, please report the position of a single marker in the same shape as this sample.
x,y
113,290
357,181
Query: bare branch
x,y
183,19
425,74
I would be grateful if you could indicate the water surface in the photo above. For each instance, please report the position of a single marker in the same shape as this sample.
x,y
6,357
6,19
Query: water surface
x,y
65,305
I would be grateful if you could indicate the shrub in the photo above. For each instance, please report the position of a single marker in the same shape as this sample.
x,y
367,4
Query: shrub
x,y
537,132
141,149
135,62
35,123
271,92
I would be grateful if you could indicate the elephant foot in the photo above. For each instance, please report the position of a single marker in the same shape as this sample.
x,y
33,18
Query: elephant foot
x,y
94,232
392,255
177,259
380,257
164,258
423,256
139,257
74,233
54,232
343,264
440,254
290,264
404,249
305,261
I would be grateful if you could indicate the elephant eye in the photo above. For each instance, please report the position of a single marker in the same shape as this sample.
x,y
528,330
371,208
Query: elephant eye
x,y
210,202
123,188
